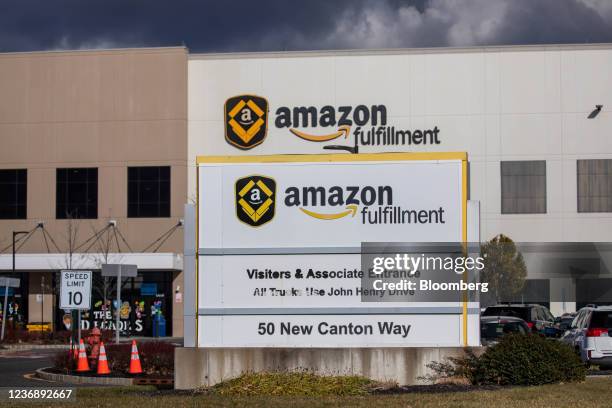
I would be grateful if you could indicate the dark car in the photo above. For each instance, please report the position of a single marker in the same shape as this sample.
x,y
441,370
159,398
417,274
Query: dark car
x,y
538,318
563,323
492,328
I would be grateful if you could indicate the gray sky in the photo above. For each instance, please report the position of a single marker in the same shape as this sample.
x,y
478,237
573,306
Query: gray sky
x,y
272,25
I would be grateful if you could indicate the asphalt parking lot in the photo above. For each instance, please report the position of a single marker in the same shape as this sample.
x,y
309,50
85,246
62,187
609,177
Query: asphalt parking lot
x,y
17,367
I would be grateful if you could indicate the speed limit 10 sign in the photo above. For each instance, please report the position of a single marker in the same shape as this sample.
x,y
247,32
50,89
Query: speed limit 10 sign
x,y
75,290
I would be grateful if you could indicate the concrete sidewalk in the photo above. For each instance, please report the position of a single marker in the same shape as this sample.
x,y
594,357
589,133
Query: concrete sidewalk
x,y
29,346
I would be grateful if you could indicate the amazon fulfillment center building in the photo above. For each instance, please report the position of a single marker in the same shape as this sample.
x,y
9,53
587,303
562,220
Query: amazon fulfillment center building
x,y
104,143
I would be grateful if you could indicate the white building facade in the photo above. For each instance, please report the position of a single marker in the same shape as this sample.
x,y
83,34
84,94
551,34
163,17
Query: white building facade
x,y
535,122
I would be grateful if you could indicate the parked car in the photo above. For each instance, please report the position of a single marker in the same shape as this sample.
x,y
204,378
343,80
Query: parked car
x,y
563,323
492,328
537,317
591,335
560,326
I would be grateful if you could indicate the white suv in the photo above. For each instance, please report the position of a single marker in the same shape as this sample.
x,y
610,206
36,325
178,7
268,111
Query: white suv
x,y
591,335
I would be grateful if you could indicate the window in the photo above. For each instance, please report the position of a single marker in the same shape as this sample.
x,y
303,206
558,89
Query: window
x,y
13,194
523,187
549,316
77,193
149,191
601,319
580,319
594,185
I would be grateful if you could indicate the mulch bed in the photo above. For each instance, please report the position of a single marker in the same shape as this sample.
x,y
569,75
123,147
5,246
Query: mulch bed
x,y
113,374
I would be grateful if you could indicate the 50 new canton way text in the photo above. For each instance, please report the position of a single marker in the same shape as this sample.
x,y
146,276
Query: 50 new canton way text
x,y
325,328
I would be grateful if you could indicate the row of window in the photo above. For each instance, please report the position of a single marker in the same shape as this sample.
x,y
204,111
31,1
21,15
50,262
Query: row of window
x,y
77,193
523,190
523,186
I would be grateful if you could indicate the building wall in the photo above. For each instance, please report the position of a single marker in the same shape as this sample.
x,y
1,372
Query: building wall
x,y
105,109
498,103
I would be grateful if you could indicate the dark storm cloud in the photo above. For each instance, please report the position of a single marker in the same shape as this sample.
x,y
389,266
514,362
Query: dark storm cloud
x,y
243,25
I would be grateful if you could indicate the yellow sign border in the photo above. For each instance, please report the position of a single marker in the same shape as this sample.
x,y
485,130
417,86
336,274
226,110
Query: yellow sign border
x,y
342,157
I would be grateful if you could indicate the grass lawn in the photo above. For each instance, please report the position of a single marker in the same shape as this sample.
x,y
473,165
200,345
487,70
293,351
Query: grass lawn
x,y
595,392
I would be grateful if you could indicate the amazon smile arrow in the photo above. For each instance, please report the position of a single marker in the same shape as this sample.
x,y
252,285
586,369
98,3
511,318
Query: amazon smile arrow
x,y
350,209
342,130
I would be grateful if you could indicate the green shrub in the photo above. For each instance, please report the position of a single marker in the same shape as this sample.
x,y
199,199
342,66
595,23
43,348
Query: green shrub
x,y
529,360
517,359
301,383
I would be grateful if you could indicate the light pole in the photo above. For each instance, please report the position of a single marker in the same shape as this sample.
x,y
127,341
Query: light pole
x,y
15,235
42,302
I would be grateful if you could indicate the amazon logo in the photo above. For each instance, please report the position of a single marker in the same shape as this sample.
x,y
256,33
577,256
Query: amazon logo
x,y
340,118
246,124
246,120
335,202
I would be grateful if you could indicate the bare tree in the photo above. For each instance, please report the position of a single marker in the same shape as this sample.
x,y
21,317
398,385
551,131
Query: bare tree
x,y
103,247
70,239
71,260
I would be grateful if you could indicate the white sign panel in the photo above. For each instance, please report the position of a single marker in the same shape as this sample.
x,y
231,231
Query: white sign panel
x,y
75,290
279,237
330,204
9,282
323,282
331,331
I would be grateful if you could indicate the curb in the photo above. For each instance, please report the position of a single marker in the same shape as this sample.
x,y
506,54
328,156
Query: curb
x,y
18,347
75,379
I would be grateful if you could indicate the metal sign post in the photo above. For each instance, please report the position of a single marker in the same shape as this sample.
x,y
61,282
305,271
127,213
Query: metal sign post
x,y
118,308
75,294
7,283
4,310
119,270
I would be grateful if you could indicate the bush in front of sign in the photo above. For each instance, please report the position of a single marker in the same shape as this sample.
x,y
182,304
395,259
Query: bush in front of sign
x,y
529,360
517,359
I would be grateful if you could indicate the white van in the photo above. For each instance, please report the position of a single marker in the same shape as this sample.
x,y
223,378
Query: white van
x,y
591,335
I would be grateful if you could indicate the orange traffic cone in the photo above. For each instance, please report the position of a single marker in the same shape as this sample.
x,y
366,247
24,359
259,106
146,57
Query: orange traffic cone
x,y
102,362
82,364
135,367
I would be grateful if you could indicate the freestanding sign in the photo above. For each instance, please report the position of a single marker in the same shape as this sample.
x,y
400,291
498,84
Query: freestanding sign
x,y
280,248
119,270
7,283
75,290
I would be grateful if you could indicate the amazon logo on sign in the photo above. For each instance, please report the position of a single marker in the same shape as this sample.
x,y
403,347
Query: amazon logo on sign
x,y
255,202
336,202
